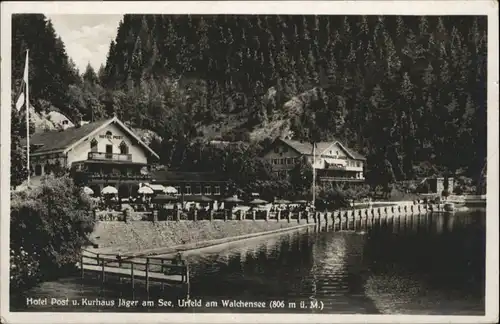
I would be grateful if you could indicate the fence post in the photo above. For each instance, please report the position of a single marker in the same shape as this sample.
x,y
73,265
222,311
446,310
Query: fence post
x,y
177,215
254,214
278,215
242,215
195,215
155,215
267,215
147,275
288,216
211,214
225,214
298,216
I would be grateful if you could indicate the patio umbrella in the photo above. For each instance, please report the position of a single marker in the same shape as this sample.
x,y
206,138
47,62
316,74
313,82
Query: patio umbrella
x,y
164,199
88,191
145,190
258,201
282,202
170,190
109,190
156,187
233,199
197,198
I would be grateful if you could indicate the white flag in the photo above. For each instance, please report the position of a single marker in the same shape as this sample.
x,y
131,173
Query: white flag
x,y
22,97
20,101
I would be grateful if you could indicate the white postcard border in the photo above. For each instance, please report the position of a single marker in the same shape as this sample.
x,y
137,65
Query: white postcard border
x,y
489,8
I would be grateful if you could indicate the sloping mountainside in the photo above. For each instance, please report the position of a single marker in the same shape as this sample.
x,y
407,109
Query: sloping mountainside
x,y
407,92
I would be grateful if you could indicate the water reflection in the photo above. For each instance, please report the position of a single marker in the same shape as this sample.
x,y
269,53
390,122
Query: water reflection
x,y
355,266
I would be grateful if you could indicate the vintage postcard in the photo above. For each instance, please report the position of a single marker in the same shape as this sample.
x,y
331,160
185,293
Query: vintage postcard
x,y
260,161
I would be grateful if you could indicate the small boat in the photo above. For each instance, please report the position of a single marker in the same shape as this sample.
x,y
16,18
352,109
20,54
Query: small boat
x,y
442,208
449,207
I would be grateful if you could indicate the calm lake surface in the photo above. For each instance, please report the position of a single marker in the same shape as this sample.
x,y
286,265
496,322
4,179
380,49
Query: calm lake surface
x,y
426,264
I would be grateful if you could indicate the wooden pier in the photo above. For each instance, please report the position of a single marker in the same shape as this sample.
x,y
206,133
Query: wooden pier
x,y
171,271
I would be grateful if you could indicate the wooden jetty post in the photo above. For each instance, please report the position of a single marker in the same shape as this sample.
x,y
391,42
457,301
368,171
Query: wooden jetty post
x,y
81,264
132,274
102,273
147,275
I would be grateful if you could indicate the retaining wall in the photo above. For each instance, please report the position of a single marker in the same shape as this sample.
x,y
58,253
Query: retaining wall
x,y
114,236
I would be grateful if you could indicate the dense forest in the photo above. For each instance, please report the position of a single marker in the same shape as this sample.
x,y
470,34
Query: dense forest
x,y
409,92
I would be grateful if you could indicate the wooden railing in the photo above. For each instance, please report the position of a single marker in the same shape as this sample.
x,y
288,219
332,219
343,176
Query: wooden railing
x,y
148,268
226,215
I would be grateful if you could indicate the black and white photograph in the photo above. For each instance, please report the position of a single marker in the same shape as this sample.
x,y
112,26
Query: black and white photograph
x,y
293,160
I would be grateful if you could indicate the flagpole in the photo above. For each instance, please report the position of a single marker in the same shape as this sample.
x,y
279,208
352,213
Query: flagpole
x,y
27,117
314,175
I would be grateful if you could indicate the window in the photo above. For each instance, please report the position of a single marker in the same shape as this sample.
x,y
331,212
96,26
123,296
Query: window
x,y
276,149
109,134
336,153
358,164
197,190
109,149
208,190
93,145
217,190
38,170
285,149
187,190
282,161
178,188
123,148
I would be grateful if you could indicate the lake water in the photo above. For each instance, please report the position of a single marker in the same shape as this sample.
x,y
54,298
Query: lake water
x,y
426,264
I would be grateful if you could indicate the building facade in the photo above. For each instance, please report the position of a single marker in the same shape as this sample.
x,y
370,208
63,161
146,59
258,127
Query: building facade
x,y
98,154
333,160
188,184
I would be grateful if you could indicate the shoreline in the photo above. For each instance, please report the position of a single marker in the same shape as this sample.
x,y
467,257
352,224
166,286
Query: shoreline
x,y
169,237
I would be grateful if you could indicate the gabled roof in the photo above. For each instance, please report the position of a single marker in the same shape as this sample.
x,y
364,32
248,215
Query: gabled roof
x,y
306,148
58,140
62,141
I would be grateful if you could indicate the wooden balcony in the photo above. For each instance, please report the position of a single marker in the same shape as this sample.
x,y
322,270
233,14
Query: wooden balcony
x,y
339,179
109,156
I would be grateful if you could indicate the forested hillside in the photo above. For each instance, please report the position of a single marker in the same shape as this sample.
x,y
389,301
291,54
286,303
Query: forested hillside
x,y
407,92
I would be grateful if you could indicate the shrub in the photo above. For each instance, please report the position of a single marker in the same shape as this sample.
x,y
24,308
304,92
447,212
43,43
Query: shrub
x,y
458,190
24,268
50,223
